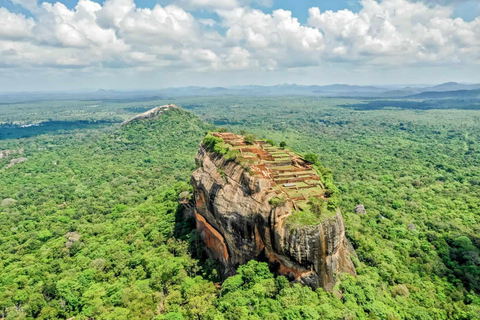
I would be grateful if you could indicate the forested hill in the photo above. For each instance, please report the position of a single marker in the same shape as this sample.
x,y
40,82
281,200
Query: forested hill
x,y
86,224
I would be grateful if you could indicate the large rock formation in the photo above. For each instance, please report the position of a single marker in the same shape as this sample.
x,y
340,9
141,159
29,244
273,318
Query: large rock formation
x,y
239,222
157,111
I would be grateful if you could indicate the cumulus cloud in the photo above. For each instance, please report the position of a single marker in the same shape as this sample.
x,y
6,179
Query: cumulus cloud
x,y
277,36
113,35
397,31
15,26
118,34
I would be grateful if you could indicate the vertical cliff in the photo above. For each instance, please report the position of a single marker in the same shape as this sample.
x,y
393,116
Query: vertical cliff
x,y
251,203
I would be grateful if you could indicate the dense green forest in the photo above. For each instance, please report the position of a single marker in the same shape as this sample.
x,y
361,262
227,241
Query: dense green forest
x,y
90,224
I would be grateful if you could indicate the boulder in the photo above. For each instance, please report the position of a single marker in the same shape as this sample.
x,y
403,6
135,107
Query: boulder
x,y
360,209
15,161
72,238
8,202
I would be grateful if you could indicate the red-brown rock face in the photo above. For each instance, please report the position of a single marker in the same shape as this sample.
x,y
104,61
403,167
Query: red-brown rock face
x,y
238,224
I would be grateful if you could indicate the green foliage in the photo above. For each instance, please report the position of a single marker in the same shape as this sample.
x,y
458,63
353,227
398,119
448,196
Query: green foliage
x,y
217,145
212,142
283,144
461,256
249,138
271,142
316,206
123,209
222,174
326,175
316,211
277,201
312,158
118,190
44,235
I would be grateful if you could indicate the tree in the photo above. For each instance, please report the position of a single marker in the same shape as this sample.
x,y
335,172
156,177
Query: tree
x,y
316,205
249,139
311,158
283,144
277,201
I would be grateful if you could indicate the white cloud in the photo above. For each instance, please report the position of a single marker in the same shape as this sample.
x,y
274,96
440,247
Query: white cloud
x,y
239,59
397,31
118,34
277,35
114,11
14,26
161,24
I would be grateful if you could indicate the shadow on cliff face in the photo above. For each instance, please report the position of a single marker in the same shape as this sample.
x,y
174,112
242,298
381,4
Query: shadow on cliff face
x,y
185,230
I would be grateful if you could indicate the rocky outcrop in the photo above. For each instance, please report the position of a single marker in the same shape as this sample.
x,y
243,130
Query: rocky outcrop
x,y
14,162
235,218
8,202
72,238
7,153
151,113
360,209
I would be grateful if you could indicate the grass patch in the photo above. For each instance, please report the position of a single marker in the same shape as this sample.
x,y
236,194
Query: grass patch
x,y
311,213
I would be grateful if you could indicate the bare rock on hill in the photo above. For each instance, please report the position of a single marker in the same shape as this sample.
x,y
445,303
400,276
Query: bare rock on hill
x,y
8,202
71,237
15,161
151,113
7,153
360,209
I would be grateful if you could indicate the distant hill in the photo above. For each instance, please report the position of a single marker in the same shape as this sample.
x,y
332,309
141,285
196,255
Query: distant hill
x,y
447,94
453,86
333,90
444,87
295,89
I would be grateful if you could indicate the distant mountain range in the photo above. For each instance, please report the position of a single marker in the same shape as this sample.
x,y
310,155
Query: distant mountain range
x,y
447,94
445,90
444,87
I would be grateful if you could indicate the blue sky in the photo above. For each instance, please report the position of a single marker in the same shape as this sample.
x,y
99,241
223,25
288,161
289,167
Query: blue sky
x,y
127,44
467,10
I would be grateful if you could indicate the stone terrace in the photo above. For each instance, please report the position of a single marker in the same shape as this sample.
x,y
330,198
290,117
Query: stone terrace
x,y
288,172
